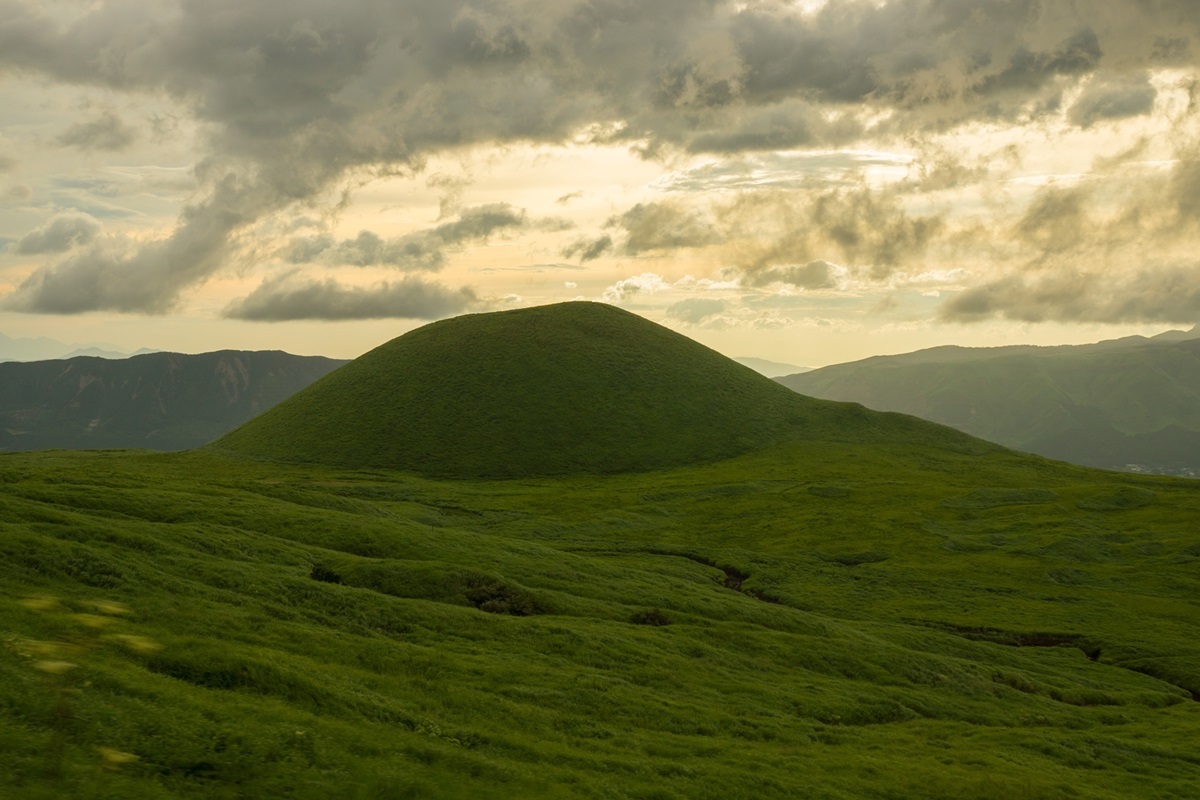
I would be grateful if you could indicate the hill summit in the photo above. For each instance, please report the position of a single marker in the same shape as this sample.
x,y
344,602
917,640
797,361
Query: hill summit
x,y
569,388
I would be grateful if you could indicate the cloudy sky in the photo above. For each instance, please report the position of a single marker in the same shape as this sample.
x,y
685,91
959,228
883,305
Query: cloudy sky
x,y
809,181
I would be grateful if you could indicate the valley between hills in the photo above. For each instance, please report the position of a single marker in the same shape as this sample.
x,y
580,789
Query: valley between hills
x,y
627,568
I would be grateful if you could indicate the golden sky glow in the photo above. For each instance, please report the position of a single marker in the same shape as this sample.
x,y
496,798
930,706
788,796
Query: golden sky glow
x,y
811,182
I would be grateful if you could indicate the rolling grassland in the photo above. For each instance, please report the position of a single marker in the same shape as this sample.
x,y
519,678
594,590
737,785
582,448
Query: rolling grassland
x,y
851,605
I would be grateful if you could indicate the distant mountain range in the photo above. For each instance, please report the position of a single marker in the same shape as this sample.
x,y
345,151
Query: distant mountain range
x,y
772,369
160,401
102,352
43,348
1130,404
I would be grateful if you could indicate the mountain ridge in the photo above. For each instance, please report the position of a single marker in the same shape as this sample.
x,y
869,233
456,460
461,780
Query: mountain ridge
x,y
43,348
166,401
1105,405
772,369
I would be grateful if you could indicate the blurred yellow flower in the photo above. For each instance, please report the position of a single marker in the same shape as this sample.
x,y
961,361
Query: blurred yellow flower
x,y
115,758
111,607
46,603
140,644
55,667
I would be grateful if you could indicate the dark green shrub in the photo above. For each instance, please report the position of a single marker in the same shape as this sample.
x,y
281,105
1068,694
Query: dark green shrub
x,y
324,574
497,597
651,616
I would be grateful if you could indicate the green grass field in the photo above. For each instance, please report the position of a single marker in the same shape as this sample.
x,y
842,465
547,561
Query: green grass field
x,y
906,622
852,605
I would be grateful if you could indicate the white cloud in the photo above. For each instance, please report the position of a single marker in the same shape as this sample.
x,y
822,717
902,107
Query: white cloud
x,y
628,288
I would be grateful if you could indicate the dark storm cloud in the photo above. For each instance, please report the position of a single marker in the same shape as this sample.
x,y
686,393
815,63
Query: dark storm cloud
x,y
867,229
648,228
1057,220
935,62
477,224
420,250
813,275
105,132
1115,265
307,249
294,98
588,249
1112,212
1106,99
663,226
59,234
146,278
117,276
780,236
292,298
872,228
1170,294
452,187
786,125
1077,54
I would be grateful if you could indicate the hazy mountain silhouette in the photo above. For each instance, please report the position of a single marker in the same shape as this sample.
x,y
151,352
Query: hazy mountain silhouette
x,y
163,401
1125,403
772,369
43,348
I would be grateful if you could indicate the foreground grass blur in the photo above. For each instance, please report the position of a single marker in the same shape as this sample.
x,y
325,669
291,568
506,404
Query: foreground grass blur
x,y
813,620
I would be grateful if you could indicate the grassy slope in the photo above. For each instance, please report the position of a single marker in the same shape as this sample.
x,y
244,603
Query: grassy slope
x,y
1099,406
902,579
516,394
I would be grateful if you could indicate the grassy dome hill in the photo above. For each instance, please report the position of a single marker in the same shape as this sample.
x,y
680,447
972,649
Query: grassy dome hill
x,y
570,388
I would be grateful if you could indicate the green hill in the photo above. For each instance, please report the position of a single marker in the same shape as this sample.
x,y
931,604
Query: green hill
x,y
159,401
1128,402
574,387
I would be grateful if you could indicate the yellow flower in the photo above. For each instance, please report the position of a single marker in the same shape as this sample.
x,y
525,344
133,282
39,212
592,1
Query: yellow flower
x,y
55,667
111,607
46,603
139,644
115,758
